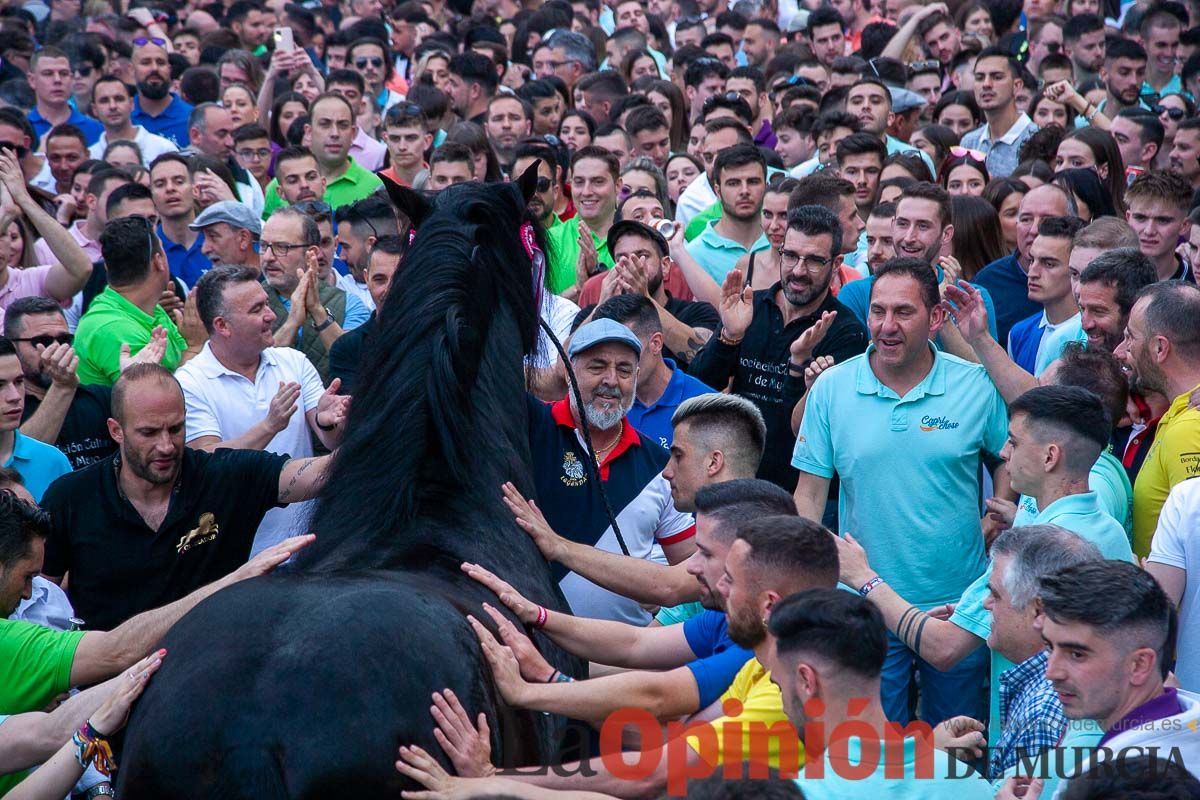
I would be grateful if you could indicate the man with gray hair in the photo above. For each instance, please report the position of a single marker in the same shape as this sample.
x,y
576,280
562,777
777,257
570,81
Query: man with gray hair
x,y
243,392
231,231
567,54
211,130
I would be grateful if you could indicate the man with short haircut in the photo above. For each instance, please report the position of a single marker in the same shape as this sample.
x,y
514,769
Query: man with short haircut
x,y
596,94
297,176
580,245
360,225
509,120
704,78
127,312
252,150
406,134
1123,72
171,186
449,164
367,151
751,85
66,149
826,33
871,101
793,136
836,194
860,159
242,392
740,177
941,37
50,76
112,104
830,652
1039,339
1157,206
761,343
1159,31
881,245
345,356
535,153
957,415
156,109
1007,128
210,128
332,130
1139,137
651,135
760,40
547,106
829,128
719,135
1108,287
1162,351
38,463
173,518
1083,41
569,55
471,85
231,232
1184,159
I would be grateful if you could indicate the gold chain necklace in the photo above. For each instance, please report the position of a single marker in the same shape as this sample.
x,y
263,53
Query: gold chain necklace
x,y
603,453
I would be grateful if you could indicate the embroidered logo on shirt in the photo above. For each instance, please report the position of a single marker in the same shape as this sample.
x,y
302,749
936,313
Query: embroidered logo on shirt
x,y
929,423
203,533
573,474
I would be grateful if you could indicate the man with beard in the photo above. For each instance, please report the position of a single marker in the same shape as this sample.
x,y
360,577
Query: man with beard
x,y
172,518
1161,348
674,670
604,358
740,177
766,339
932,443
359,226
1007,128
772,557
1123,73
509,120
156,109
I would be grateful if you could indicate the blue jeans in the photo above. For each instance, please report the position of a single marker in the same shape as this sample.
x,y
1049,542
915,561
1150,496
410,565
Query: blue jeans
x,y
959,690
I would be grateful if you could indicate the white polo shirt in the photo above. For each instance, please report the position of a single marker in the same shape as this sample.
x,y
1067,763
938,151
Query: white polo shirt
x,y
151,144
223,403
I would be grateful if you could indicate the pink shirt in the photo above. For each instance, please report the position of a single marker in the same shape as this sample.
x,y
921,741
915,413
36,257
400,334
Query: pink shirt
x,y
43,255
368,153
28,282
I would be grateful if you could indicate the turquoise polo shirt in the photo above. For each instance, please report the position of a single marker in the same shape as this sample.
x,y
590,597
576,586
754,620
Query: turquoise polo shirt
x,y
40,464
717,255
1081,514
1109,480
909,468
930,775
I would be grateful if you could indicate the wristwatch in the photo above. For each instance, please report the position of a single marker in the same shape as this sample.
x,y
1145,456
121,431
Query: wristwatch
x,y
328,321
100,790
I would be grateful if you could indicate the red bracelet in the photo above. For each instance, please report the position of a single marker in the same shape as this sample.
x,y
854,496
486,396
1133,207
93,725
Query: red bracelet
x,y
541,618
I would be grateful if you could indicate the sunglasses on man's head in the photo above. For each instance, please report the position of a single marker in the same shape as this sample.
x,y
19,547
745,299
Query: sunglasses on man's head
x,y
47,339
365,61
142,41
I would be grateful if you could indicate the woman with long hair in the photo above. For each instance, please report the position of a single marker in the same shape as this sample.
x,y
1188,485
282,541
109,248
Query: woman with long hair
x,y
238,100
239,66
284,111
668,99
978,238
936,140
487,165
1046,111
20,243
576,129
1092,148
964,172
1088,193
1005,195
958,111
682,169
433,66
636,64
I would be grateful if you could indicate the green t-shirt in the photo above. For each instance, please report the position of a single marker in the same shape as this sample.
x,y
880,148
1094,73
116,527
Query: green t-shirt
x,y
38,665
111,321
563,241
352,185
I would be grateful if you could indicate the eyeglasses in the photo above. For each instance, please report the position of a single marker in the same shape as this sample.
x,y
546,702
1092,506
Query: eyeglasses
x,y
965,152
365,61
1172,113
142,41
280,249
254,155
47,339
82,70
814,264
16,148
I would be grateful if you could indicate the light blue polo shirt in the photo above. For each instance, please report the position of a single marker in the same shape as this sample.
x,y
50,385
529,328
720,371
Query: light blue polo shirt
x,y
909,468
40,464
1081,514
1054,342
935,776
717,255
1109,480
655,420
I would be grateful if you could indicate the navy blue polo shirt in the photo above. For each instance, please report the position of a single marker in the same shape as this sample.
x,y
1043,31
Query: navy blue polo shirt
x,y
566,493
1007,282
185,263
655,420
91,128
171,123
718,659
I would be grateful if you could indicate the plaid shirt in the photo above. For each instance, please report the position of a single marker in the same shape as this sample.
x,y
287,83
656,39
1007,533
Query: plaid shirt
x,y
1031,716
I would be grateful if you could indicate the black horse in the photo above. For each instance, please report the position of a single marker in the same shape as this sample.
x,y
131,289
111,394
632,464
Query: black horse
x,y
302,684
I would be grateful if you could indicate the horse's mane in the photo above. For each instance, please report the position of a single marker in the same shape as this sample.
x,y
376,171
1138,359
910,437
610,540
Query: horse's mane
x,y
464,289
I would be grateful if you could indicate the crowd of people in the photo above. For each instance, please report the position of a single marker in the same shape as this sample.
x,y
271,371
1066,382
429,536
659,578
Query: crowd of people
x,y
880,329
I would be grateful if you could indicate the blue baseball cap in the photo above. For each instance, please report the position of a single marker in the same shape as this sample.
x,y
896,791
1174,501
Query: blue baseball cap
x,y
599,331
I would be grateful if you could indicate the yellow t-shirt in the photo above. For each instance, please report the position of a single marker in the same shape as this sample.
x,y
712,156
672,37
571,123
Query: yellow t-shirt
x,y
1174,456
754,728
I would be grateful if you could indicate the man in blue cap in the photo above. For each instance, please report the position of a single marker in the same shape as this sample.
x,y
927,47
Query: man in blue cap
x,y
603,356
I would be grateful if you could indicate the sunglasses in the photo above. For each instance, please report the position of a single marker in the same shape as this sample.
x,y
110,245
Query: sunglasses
x,y
966,152
83,70
16,148
1172,113
142,41
365,61
47,339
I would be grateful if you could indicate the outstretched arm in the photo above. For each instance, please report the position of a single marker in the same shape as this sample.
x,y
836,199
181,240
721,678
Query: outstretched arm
x,y
969,314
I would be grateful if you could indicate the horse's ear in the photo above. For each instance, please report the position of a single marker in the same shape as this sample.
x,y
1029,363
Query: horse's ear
x,y
411,204
527,183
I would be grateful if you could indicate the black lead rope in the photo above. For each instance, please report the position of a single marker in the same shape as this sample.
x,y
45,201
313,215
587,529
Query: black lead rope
x,y
594,467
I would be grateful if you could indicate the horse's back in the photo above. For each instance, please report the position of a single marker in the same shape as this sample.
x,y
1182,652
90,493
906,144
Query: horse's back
x,y
269,685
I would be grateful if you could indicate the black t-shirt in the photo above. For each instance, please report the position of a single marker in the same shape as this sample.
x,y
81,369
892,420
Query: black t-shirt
x,y
119,567
693,313
83,437
347,353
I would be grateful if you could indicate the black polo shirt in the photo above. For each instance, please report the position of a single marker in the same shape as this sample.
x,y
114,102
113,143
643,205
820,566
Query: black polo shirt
x,y
119,567
693,313
83,437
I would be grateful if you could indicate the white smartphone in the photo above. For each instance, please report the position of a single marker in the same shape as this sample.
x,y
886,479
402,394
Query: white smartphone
x,y
284,39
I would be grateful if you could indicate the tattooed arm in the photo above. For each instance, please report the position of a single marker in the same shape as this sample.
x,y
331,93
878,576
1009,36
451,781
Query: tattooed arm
x,y
681,338
303,478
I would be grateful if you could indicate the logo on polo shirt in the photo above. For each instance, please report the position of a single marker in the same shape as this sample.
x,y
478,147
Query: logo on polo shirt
x,y
203,533
929,423
573,472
